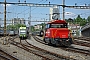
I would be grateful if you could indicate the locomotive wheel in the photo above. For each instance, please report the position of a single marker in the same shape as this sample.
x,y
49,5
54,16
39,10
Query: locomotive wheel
x,y
50,43
44,40
41,33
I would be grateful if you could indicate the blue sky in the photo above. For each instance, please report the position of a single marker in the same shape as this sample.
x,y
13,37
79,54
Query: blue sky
x,y
40,13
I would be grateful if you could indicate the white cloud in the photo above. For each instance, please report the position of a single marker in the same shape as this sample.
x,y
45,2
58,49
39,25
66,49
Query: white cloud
x,y
69,13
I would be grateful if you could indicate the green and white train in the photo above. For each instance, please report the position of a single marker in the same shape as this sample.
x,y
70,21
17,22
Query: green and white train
x,y
23,32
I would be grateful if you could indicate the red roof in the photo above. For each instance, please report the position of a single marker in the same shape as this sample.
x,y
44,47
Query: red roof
x,y
57,22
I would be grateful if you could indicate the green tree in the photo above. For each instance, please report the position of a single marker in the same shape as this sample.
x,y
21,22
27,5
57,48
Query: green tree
x,y
83,22
15,27
43,25
10,27
70,20
88,19
79,20
66,20
32,28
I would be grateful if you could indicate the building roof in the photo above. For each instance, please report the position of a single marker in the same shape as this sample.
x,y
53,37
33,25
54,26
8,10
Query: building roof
x,y
57,22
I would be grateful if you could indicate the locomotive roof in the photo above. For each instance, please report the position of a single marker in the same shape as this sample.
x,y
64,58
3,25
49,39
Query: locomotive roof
x,y
22,27
57,22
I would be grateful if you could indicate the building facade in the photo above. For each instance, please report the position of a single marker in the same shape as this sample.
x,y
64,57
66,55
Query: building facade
x,y
75,29
18,21
37,27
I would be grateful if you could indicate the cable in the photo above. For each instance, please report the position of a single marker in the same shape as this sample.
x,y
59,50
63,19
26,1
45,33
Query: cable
x,y
28,8
78,14
83,2
44,1
36,7
51,1
32,9
40,1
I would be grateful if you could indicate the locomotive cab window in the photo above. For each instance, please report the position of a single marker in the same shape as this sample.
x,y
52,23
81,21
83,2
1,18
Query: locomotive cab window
x,y
47,26
58,25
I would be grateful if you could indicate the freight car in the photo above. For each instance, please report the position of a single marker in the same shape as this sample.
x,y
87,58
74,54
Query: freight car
x,y
57,33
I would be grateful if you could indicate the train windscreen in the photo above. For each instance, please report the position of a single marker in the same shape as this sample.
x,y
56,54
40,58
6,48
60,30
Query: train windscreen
x,y
22,31
58,26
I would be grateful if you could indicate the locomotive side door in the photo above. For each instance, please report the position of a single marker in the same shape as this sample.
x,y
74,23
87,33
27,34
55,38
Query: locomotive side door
x,y
46,28
47,34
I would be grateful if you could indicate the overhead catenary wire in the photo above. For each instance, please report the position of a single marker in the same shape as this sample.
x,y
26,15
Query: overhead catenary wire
x,y
83,2
31,9
81,14
21,13
27,9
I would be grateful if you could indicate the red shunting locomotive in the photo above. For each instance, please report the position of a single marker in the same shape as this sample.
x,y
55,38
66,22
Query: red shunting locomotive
x,y
57,33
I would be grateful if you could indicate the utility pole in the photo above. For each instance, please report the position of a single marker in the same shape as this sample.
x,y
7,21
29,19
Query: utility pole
x,y
29,23
63,9
5,18
5,41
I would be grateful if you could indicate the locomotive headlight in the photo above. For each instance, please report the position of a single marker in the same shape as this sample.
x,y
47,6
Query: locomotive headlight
x,y
48,32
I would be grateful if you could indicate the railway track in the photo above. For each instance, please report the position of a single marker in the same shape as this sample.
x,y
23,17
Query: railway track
x,y
73,49
51,53
84,38
82,41
44,54
87,44
6,56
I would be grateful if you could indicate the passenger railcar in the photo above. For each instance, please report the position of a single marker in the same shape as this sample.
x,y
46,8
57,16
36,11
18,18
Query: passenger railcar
x,y
57,33
11,33
38,33
23,33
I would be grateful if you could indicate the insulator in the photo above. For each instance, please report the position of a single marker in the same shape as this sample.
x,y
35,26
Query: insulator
x,y
49,2
85,4
25,1
75,4
18,0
